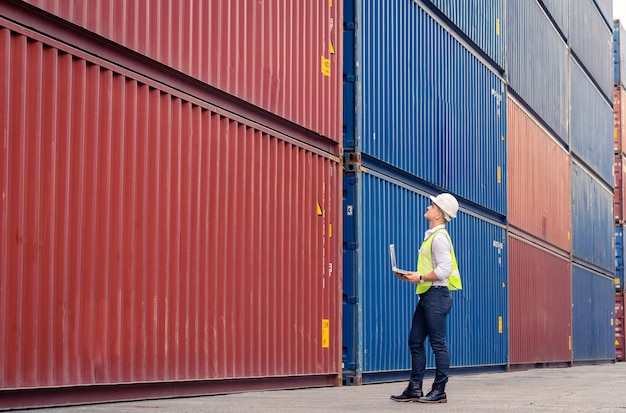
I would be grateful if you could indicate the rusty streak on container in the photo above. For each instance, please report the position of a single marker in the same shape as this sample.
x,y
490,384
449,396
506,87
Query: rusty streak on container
x,y
540,189
149,237
283,56
540,299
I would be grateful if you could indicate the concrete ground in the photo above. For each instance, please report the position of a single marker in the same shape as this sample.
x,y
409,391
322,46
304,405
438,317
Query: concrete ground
x,y
599,388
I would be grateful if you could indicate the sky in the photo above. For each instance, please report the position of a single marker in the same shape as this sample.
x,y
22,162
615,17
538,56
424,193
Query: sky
x,y
619,10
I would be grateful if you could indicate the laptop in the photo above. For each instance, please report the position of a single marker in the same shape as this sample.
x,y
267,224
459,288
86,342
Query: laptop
x,y
394,267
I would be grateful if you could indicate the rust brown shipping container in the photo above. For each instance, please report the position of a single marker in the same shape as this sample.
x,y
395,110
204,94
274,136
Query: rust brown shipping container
x,y
620,338
619,121
619,200
281,55
153,242
540,305
539,181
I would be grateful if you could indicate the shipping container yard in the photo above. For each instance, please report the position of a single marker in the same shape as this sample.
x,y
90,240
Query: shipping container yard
x,y
198,198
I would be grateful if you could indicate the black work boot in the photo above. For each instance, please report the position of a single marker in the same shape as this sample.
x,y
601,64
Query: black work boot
x,y
436,395
412,393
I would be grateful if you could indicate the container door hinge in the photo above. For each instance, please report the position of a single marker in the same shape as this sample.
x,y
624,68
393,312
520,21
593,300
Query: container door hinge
x,y
352,161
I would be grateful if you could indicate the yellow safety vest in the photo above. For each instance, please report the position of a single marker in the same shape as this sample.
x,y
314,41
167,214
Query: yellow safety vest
x,y
425,265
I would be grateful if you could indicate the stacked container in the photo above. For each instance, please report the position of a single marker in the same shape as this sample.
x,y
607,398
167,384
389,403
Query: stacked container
x,y
560,182
539,185
620,345
619,173
593,262
539,243
619,133
425,112
174,232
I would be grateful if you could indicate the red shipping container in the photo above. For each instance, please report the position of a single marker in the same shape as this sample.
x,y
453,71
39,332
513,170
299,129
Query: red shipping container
x,y
620,339
149,237
540,302
619,120
539,180
283,56
619,170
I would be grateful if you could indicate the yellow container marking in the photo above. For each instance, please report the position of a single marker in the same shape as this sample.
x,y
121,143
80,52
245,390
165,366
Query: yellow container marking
x,y
325,63
325,333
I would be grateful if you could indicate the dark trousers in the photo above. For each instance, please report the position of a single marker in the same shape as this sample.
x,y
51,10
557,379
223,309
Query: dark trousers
x,y
429,320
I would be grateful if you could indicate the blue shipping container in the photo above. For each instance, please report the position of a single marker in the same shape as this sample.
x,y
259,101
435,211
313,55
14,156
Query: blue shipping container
x,y
620,250
619,53
559,11
606,8
482,22
378,308
591,130
537,64
593,309
592,221
591,40
426,104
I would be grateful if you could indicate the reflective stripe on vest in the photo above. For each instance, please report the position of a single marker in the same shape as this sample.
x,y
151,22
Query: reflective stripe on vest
x,y
425,265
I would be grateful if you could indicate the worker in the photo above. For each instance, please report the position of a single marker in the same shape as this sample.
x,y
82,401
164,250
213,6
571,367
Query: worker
x,y
437,273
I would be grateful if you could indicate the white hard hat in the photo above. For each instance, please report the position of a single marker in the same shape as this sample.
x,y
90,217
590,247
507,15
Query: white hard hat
x,y
447,203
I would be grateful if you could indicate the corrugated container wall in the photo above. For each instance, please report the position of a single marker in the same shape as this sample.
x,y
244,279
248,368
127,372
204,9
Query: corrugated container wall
x,y
482,22
428,105
591,122
539,180
280,55
591,41
606,9
619,53
592,221
542,82
132,217
593,310
539,285
619,257
620,337
559,11
619,118
380,211
619,200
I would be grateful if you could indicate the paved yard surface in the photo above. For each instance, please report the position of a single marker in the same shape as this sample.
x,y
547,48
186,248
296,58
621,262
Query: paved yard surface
x,y
600,388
